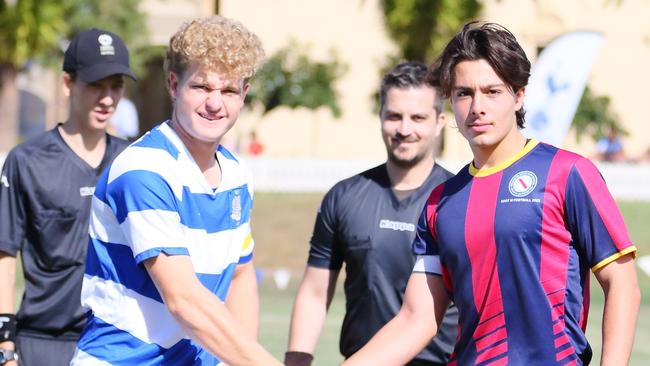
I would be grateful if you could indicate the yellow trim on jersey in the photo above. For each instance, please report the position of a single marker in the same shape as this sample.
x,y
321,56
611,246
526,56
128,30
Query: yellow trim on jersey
x,y
614,257
487,171
247,242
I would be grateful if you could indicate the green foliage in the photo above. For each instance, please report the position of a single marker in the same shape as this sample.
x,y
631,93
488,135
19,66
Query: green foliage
x,y
594,117
29,28
35,29
289,78
421,28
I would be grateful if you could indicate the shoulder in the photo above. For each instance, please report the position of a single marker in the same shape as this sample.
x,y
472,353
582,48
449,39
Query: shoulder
x,y
30,149
360,183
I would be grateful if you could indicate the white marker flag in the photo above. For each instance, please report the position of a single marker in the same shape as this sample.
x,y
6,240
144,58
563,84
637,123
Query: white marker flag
x,y
556,85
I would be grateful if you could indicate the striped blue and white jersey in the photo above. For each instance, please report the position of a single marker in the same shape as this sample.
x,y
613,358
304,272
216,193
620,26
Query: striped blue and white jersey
x,y
154,199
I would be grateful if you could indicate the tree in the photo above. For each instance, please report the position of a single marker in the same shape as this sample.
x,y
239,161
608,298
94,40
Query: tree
x,y
289,78
28,29
38,30
421,28
594,117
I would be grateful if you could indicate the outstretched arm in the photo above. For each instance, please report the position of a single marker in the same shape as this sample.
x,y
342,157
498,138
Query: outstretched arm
x,y
425,303
622,299
309,311
203,315
243,298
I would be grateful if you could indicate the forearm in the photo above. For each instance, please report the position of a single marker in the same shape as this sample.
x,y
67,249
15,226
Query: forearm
x,y
7,283
619,324
398,342
243,299
622,298
307,319
209,322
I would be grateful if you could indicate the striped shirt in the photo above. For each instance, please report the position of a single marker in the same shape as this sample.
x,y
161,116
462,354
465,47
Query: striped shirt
x,y
154,199
514,245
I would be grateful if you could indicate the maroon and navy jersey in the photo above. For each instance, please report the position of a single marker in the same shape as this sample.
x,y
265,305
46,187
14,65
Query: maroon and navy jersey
x,y
514,245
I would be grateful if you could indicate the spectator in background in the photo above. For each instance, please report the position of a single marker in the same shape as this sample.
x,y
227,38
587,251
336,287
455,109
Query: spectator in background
x,y
45,195
125,123
610,147
255,147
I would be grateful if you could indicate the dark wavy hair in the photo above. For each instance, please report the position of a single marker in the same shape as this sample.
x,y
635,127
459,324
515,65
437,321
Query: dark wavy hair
x,y
409,75
491,42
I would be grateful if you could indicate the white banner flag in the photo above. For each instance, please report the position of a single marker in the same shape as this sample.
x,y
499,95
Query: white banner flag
x,y
556,85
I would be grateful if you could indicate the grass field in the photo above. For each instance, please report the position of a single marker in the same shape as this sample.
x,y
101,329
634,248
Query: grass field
x,y
282,225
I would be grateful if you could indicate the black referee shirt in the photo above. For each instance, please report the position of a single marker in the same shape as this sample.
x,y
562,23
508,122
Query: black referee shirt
x,y
363,224
45,196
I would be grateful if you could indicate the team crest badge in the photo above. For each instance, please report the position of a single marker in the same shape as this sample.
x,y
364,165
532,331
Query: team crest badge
x,y
235,212
522,183
106,44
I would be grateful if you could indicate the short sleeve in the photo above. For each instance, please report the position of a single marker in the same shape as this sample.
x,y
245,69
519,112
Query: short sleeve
x,y
145,208
425,244
593,218
325,251
12,209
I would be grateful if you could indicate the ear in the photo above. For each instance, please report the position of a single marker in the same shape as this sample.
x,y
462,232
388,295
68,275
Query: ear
x,y
519,98
245,90
67,84
441,121
172,84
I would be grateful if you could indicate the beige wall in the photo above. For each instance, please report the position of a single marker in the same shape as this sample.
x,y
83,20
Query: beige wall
x,y
355,30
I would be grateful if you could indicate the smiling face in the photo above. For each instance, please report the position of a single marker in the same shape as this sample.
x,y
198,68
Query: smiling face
x,y
93,104
484,107
206,104
410,125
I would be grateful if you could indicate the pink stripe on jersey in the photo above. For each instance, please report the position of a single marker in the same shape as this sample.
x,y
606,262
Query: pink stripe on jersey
x,y
482,250
432,209
555,245
604,203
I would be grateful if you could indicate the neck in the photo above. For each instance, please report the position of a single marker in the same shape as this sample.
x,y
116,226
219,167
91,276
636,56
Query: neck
x,y
491,156
88,144
202,151
407,178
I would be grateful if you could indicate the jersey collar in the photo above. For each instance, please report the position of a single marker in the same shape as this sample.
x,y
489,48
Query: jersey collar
x,y
488,171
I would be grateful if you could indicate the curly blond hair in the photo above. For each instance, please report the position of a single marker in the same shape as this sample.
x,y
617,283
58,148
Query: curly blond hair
x,y
216,43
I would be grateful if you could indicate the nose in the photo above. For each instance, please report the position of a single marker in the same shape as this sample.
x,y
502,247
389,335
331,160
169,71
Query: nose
x,y
214,101
404,127
109,96
477,105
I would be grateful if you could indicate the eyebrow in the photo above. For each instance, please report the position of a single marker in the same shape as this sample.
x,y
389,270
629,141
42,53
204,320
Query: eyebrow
x,y
482,87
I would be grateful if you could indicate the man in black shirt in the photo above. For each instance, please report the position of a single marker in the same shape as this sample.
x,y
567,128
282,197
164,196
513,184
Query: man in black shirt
x,y
46,188
368,222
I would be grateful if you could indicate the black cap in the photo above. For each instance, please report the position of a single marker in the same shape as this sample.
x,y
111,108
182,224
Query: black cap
x,y
95,54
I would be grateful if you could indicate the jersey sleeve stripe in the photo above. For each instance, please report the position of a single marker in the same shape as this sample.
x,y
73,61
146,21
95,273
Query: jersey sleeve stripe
x,y
429,264
604,202
614,257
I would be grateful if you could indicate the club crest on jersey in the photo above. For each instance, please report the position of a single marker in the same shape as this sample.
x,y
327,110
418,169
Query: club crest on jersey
x,y
235,212
522,183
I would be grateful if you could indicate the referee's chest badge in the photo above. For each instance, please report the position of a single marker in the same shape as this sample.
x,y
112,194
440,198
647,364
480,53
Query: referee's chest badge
x,y
522,183
235,212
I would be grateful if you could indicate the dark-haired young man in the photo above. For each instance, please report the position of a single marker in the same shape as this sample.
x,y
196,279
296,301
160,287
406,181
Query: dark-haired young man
x,y
512,237
368,223
45,194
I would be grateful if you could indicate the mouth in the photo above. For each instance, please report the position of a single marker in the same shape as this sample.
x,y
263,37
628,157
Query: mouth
x,y
479,126
209,117
103,114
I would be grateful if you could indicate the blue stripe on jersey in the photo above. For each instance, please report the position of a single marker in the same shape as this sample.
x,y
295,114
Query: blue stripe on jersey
x,y
100,262
245,259
227,153
101,259
185,352
143,190
157,140
154,252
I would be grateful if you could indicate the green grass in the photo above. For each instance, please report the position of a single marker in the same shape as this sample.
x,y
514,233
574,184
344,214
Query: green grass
x,y
282,225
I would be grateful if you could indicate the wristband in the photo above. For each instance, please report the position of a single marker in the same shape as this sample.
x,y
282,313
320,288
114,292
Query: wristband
x,y
295,358
7,327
